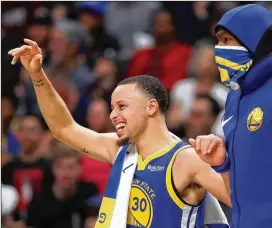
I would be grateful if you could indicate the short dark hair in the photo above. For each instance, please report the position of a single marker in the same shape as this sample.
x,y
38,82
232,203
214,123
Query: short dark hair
x,y
215,107
150,86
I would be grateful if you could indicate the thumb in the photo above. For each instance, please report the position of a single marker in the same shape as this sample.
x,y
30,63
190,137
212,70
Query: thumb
x,y
192,142
38,59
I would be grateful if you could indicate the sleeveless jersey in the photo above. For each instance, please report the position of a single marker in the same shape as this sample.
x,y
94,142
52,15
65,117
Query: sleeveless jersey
x,y
154,202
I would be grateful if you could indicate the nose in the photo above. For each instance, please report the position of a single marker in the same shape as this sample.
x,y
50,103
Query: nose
x,y
113,115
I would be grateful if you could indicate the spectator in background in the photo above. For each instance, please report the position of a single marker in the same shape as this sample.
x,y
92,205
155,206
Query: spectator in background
x,y
38,27
203,80
65,203
9,142
201,119
59,11
193,19
168,59
91,16
98,116
105,71
107,78
202,116
65,44
66,63
140,20
97,120
26,171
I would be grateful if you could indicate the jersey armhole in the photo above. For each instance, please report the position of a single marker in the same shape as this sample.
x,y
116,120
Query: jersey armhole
x,y
171,189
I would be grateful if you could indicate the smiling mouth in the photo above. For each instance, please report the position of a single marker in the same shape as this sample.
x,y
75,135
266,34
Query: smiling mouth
x,y
119,127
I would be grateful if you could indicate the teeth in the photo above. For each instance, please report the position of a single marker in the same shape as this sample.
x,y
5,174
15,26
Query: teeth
x,y
119,126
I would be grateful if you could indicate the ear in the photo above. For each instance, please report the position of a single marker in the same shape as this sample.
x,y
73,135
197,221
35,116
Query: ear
x,y
153,107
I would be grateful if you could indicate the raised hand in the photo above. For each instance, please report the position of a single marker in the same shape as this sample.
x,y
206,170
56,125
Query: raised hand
x,y
210,149
30,56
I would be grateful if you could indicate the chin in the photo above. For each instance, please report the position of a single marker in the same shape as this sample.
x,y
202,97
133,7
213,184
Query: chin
x,y
123,140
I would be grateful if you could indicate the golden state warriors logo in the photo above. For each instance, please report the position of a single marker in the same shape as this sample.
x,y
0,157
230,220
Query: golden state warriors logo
x,y
140,213
255,119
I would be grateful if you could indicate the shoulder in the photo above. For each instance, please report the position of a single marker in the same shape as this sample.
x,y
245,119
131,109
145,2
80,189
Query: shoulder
x,y
88,189
144,51
188,160
11,163
179,44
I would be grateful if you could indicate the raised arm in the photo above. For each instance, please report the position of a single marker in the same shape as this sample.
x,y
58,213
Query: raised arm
x,y
101,147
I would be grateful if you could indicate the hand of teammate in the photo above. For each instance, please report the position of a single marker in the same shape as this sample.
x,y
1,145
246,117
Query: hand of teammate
x,y
210,149
30,56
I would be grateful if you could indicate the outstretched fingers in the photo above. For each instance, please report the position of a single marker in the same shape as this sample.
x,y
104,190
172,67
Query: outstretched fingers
x,y
15,59
33,45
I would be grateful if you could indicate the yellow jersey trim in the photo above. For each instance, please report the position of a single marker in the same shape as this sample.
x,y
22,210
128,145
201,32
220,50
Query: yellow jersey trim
x,y
105,213
169,184
143,163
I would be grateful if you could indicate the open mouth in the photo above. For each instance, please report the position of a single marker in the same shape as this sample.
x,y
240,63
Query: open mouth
x,y
119,127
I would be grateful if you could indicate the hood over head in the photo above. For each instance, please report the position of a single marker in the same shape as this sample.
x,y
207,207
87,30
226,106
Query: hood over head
x,y
251,24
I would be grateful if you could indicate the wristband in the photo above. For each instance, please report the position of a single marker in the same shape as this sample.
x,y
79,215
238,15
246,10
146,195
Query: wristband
x,y
225,167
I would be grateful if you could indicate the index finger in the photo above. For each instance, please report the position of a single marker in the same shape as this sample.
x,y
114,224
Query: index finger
x,y
33,44
214,143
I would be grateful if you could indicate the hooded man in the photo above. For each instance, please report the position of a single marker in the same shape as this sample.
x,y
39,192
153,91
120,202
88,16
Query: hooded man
x,y
244,58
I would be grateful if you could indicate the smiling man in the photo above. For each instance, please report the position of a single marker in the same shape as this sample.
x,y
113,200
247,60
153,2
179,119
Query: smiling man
x,y
170,181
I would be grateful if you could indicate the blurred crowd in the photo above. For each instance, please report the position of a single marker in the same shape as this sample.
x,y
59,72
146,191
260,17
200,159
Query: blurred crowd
x,y
88,47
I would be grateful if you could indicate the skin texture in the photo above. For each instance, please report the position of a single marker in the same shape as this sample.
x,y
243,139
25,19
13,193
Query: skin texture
x,y
226,39
144,123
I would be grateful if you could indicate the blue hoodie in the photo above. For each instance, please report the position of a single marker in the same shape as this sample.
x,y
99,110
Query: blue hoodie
x,y
248,131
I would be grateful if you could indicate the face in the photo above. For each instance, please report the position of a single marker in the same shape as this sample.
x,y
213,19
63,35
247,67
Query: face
x,y
97,117
39,33
200,120
106,71
206,66
66,171
226,39
88,20
29,134
130,112
7,108
163,27
58,46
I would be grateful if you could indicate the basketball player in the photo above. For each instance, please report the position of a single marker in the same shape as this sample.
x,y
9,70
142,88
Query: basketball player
x,y
244,58
170,183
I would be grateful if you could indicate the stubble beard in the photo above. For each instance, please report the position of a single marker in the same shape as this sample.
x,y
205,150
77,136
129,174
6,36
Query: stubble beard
x,y
123,141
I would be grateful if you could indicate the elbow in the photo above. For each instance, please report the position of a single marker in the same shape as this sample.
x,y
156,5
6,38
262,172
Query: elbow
x,y
60,133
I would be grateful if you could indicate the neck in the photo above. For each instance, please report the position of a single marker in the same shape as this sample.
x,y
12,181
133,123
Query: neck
x,y
164,45
62,193
155,138
29,157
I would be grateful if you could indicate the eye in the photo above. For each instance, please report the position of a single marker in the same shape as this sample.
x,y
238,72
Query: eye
x,y
122,106
226,39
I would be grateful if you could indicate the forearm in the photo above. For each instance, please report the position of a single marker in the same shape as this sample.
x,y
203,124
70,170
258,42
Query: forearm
x,y
53,108
225,177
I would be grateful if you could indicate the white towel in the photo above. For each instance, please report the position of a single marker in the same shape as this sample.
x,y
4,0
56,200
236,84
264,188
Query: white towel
x,y
119,218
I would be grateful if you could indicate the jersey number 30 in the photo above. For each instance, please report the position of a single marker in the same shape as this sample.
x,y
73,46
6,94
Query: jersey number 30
x,y
139,204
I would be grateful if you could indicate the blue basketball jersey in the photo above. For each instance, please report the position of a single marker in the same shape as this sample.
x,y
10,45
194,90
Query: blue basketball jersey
x,y
154,201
